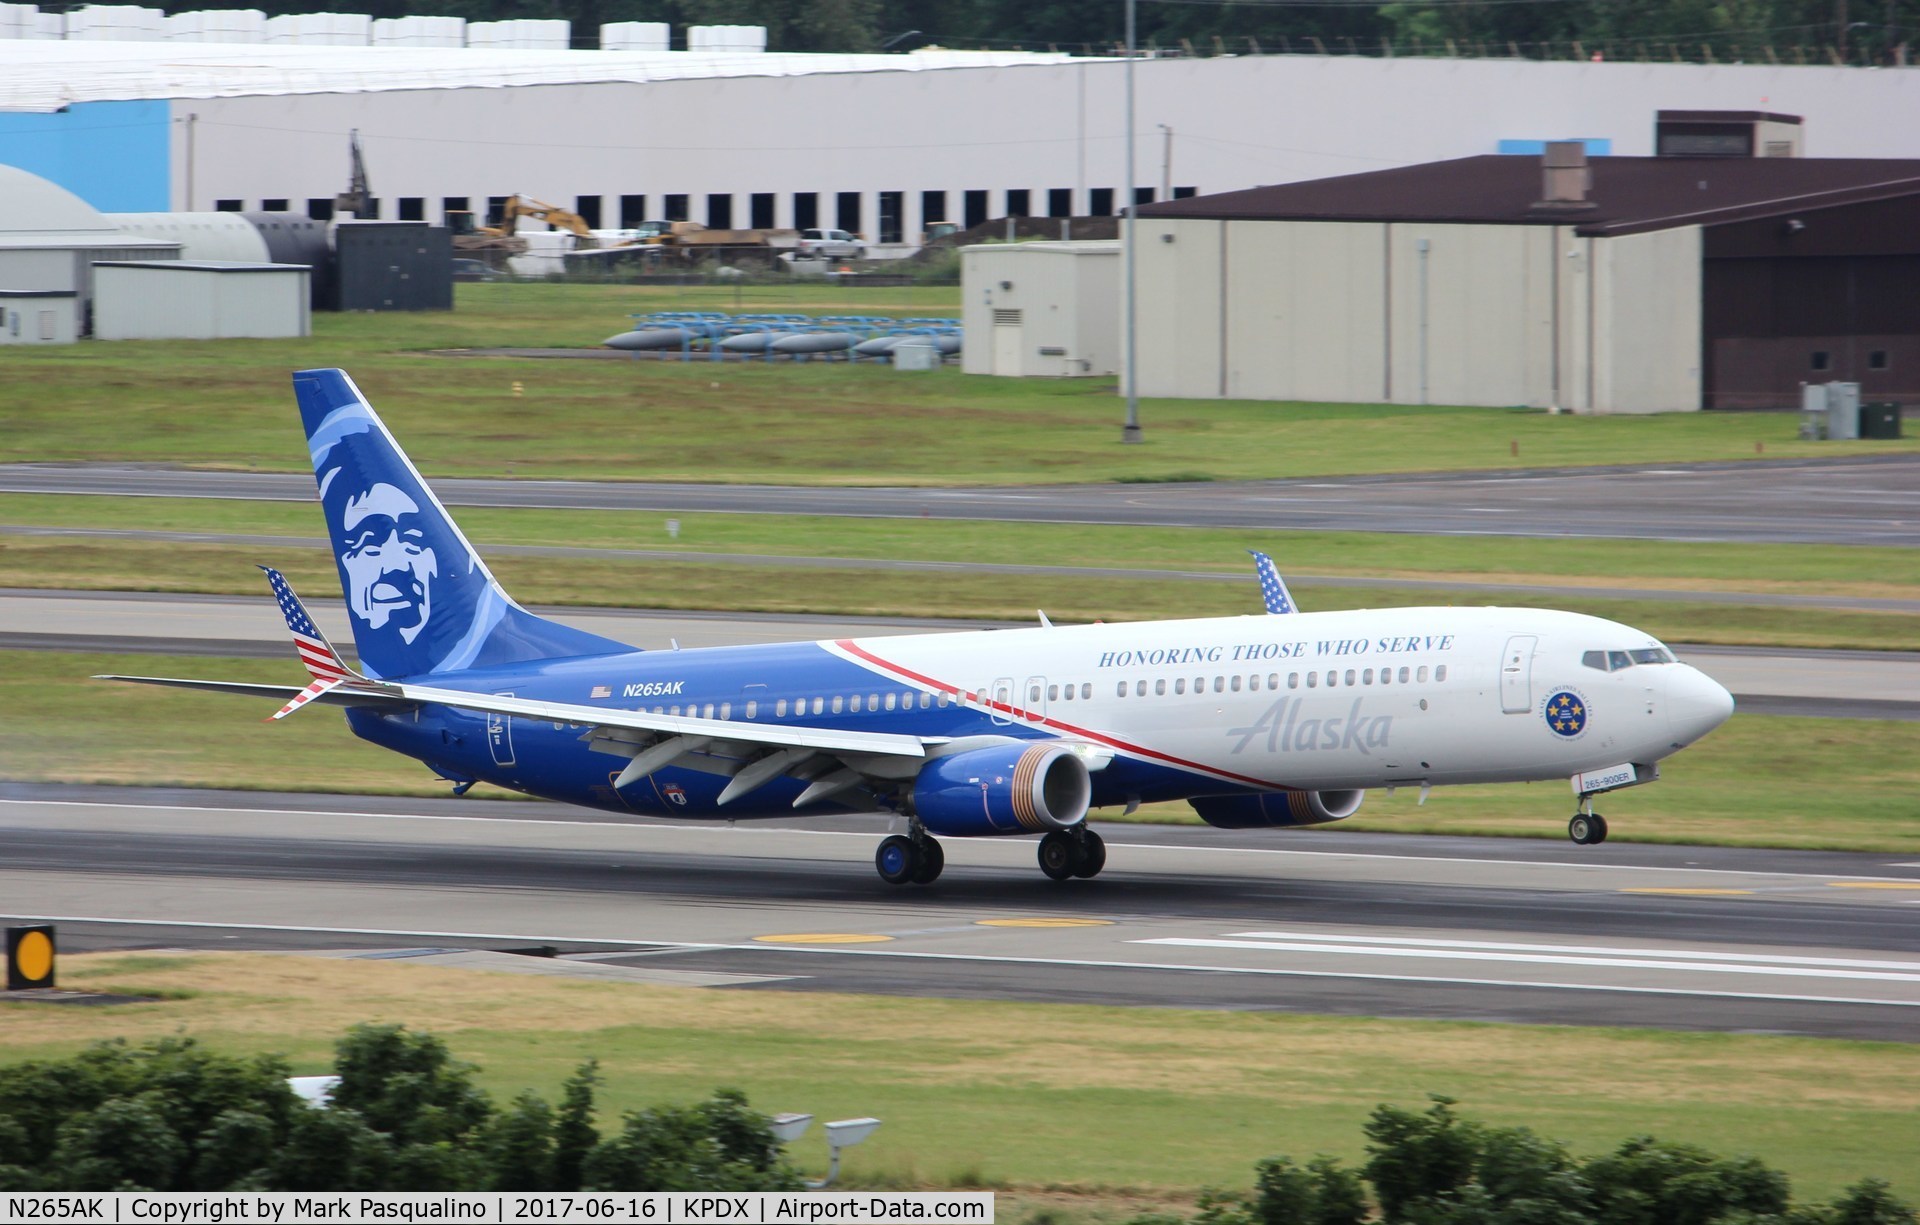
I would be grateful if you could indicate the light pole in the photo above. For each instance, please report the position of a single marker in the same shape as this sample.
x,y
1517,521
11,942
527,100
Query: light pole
x,y
1166,162
1130,433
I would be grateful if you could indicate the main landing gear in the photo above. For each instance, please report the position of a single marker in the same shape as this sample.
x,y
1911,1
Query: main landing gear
x,y
909,860
1587,828
1067,853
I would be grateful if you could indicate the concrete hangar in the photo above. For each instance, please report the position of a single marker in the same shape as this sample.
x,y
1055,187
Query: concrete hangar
x,y
879,144
1616,284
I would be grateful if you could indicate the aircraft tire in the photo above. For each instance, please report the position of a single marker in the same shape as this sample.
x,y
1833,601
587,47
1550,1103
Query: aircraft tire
x,y
1058,855
1092,857
895,860
928,861
1580,829
1599,834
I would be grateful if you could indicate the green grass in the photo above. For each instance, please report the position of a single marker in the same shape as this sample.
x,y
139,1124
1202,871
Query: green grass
x,y
1074,1097
226,404
1761,780
1805,569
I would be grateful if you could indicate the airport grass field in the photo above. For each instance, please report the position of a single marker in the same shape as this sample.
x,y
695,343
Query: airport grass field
x,y
228,404
1105,1111
1762,780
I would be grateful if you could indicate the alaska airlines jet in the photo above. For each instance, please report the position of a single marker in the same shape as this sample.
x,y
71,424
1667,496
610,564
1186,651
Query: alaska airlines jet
x,y
1257,721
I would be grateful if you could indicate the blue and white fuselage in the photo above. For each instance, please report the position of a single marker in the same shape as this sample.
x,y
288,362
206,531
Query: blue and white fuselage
x,y
1257,720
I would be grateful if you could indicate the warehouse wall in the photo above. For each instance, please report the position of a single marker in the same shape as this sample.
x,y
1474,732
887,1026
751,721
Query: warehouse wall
x,y
1648,296
1490,315
1065,296
911,132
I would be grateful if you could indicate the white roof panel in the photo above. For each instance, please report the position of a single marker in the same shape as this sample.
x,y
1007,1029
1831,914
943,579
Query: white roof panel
x,y
45,76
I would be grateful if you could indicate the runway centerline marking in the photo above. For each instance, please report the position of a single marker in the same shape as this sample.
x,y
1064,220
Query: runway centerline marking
x,y
713,826
1184,967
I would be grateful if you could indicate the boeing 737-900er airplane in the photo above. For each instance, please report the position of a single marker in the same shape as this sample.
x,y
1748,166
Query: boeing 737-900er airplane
x,y
1256,721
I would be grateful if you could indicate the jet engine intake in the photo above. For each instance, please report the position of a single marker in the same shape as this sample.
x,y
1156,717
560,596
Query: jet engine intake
x,y
1006,789
1276,809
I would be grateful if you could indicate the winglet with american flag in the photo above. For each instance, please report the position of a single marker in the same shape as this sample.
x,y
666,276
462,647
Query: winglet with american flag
x,y
323,663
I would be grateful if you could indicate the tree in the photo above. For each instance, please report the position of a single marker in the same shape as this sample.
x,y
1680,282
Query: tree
x,y
1656,1182
574,1135
520,1146
123,1143
1416,1157
719,1145
407,1085
1321,1194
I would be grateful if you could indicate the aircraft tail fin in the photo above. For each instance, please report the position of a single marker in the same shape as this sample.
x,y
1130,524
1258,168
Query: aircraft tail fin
x,y
419,598
1273,588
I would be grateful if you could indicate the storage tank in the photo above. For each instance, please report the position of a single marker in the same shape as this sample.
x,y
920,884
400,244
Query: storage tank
x,y
202,236
636,36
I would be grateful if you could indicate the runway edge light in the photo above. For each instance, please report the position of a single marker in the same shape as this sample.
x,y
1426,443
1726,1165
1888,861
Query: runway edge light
x,y
30,957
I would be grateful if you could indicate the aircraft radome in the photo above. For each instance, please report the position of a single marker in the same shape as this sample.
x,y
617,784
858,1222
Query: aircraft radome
x,y
1256,721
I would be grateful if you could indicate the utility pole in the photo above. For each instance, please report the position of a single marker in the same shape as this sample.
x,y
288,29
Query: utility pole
x,y
193,122
1131,432
1166,162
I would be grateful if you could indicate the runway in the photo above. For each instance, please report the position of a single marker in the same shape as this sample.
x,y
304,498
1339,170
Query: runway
x,y
1845,500
1509,930
1838,684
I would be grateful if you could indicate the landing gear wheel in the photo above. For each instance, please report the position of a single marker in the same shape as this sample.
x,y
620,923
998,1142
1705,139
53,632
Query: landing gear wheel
x,y
1093,856
928,860
895,860
1587,829
1059,855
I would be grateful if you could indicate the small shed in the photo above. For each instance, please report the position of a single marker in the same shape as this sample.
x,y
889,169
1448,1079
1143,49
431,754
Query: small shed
x,y
39,316
199,300
1050,309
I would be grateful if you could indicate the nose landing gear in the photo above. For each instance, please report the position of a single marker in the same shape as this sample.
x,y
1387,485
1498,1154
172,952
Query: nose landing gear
x,y
1067,853
1587,828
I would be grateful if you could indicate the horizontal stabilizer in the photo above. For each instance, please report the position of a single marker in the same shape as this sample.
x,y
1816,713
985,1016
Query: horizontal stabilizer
x,y
279,693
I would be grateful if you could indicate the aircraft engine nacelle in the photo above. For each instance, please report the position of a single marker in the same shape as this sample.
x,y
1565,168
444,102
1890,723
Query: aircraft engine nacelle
x,y
1275,809
1005,789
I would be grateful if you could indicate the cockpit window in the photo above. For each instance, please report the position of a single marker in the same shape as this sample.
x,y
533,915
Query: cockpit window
x,y
1614,661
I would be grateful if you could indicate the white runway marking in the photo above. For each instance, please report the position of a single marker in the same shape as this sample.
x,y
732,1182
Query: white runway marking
x,y
1594,949
1622,958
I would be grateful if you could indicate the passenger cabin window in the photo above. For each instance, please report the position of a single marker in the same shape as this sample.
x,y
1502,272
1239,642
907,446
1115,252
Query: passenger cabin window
x,y
856,703
1423,674
1121,691
1440,673
780,709
753,709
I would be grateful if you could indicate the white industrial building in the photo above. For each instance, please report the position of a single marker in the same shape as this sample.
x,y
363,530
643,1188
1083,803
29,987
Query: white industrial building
x,y
50,240
879,144
1050,309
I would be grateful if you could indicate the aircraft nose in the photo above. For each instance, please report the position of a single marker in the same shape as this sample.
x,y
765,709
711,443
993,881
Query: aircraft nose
x,y
1696,703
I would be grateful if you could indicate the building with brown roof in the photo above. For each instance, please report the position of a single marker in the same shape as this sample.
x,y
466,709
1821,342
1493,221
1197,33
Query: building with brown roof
x,y
1620,284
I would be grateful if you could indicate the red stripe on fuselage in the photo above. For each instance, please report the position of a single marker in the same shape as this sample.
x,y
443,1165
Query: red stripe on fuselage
x,y
1014,712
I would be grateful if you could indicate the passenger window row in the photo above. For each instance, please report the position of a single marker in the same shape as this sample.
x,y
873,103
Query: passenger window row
x,y
839,703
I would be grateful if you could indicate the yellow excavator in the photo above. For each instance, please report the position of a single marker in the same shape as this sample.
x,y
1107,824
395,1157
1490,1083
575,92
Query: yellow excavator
x,y
469,235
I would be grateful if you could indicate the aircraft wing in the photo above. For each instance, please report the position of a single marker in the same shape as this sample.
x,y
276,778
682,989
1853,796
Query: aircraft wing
x,y
772,735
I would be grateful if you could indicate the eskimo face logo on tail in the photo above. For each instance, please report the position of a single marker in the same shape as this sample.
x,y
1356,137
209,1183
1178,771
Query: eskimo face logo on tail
x,y
389,564
408,584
